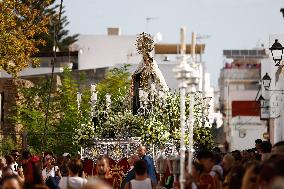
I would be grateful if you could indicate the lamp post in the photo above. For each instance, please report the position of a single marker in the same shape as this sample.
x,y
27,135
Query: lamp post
x,y
182,71
277,52
192,84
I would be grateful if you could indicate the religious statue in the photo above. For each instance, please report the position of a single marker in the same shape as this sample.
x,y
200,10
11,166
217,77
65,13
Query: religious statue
x,y
147,75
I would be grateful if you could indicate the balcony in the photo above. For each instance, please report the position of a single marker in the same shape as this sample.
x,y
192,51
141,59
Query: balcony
x,y
240,74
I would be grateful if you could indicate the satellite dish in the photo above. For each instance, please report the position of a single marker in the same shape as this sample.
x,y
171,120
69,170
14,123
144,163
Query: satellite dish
x,y
158,37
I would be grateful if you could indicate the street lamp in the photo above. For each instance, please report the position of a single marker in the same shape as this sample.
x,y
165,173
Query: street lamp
x,y
277,52
266,80
264,107
192,85
282,11
262,101
193,81
182,71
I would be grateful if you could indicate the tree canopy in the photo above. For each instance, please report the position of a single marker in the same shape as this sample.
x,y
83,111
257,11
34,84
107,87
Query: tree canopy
x,y
63,38
64,114
20,21
28,27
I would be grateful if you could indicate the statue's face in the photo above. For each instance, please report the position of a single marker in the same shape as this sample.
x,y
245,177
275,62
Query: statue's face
x,y
144,43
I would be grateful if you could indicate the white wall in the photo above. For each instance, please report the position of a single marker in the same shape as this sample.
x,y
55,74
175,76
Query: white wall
x,y
253,128
167,71
232,136
97,51
32,72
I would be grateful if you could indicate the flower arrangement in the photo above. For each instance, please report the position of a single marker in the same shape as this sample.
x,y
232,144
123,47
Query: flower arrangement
x,y
158,125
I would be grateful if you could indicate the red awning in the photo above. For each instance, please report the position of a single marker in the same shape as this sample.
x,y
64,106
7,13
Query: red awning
x,y
245,108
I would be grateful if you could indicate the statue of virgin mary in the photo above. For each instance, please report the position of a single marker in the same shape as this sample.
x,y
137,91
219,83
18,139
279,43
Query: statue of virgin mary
x,y
147,75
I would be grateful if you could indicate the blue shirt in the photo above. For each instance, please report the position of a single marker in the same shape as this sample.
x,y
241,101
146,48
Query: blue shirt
x,y
150,168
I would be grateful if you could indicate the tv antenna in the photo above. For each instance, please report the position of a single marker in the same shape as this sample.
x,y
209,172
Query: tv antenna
x,y
148,20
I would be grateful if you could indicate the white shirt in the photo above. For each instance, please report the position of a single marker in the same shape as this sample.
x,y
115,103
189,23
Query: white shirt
x,y
51,173
141,184
73,182
15,166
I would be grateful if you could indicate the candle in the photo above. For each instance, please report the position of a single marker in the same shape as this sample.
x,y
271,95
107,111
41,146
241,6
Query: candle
x,y
93,87
78,96
94,97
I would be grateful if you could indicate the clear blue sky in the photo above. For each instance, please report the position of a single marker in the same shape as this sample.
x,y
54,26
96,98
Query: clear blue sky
x,y
232,24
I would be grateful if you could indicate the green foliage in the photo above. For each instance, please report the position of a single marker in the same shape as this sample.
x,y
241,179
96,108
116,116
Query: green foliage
x,y
158,121
20,22
116,83
155,132
64,116
203,138
7,145
124,125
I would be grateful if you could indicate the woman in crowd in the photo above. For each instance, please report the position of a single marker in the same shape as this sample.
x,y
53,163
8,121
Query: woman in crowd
x,y
228,163
50,169
196,172
73,181
9,167
2,165
141,181
250,180
11,182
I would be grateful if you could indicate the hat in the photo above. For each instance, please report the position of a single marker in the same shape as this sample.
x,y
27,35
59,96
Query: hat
x,y
66,154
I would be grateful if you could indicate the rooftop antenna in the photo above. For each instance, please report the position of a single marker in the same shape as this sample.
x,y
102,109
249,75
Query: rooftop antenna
x,y
199,37
148,19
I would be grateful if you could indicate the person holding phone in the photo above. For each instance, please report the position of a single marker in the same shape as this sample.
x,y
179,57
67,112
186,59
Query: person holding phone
x,y
50,169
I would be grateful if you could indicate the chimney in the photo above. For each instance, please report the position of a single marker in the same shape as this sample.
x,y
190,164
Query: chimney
x,y
113,31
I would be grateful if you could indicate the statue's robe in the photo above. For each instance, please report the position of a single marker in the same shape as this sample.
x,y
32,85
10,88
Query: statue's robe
x,y
156,78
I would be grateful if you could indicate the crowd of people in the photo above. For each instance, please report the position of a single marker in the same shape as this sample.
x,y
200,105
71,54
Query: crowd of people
x,y
28,171
259,168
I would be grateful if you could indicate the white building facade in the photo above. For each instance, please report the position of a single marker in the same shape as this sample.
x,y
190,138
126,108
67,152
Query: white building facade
x,y
239,88
273,109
